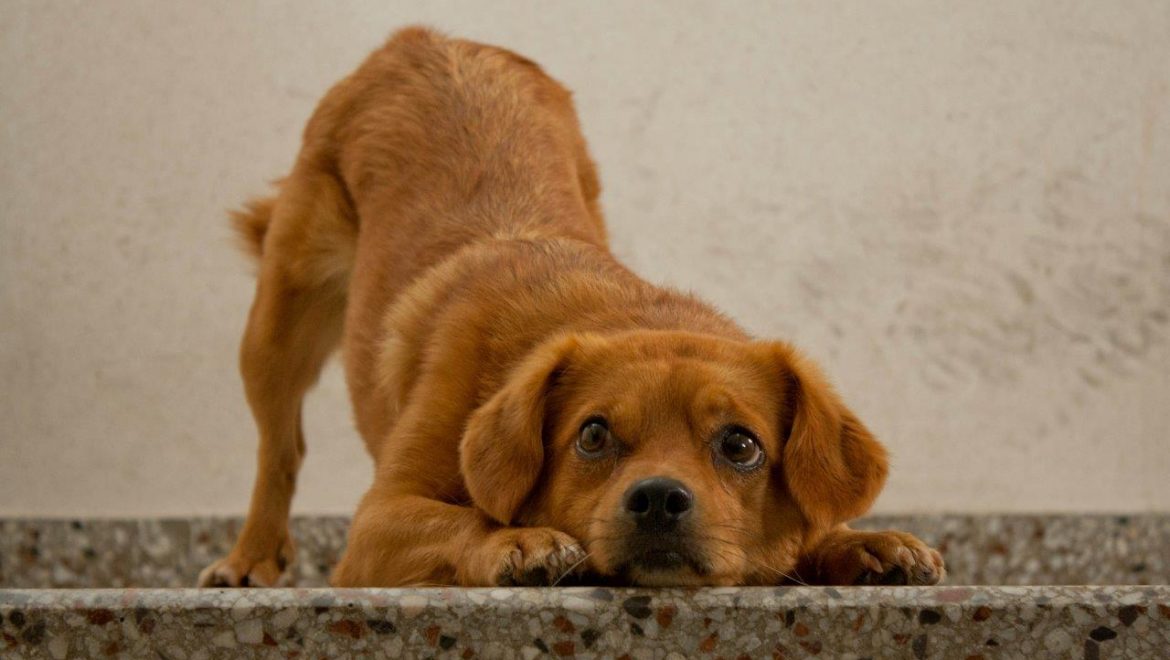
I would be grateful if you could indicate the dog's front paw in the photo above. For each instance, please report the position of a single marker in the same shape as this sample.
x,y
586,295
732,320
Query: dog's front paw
x,y
877,558
530,556
242,568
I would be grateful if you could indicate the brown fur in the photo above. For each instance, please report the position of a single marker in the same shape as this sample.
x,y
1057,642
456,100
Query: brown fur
x,y
442,223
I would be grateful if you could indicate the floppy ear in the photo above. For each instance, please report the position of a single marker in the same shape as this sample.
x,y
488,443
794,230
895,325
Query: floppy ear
x,y
502,451
833,467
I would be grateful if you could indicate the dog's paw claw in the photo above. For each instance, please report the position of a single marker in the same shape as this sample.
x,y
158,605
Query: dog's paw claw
x,y
539,557
883,558
234,571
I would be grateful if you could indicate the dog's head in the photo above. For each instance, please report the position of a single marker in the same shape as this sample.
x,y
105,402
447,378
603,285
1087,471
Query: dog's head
x,y
674,458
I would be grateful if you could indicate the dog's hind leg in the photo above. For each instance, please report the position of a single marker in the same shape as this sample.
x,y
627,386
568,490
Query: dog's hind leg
x,y
306,251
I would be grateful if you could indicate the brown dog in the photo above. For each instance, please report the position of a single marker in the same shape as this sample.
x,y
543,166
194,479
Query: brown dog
x,y
534,409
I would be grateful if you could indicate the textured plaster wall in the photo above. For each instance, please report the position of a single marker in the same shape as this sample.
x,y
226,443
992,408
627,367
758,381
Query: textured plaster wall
x,y
961,209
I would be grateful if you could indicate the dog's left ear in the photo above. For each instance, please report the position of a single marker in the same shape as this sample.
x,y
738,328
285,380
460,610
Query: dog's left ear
x,y
502,451
831,465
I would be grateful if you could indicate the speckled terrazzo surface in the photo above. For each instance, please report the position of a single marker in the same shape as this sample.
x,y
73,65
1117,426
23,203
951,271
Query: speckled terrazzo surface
x,y
992,550
940,622
590,622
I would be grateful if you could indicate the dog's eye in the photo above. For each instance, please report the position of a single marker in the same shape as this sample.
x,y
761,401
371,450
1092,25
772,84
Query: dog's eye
x,y
593,437
741,449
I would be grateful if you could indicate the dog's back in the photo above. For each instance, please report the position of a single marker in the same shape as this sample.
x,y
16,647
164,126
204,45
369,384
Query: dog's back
x,y
438,141
432,144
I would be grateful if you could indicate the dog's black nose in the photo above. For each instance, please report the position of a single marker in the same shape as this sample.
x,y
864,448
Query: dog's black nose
x,y
658,503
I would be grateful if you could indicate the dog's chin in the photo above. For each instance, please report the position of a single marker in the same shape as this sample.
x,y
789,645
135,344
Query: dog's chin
x,y
664,568
683,577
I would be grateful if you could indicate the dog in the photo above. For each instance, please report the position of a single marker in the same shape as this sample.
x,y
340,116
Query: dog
x,y
535,411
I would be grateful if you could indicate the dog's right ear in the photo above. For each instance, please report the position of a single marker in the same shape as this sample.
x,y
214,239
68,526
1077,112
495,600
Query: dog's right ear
x,y
502,451
832,465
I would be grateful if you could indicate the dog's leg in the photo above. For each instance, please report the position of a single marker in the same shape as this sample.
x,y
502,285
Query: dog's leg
x,y
849,557
402,540
417,525
294,324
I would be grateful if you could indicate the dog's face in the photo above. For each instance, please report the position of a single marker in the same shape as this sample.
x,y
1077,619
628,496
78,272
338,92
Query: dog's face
x,y
676,459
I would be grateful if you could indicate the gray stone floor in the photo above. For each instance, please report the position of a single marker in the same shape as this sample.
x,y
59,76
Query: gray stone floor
x,y
84,618
979,550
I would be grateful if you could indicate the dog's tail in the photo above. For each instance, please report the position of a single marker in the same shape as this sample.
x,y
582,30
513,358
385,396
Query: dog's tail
x,y
251,224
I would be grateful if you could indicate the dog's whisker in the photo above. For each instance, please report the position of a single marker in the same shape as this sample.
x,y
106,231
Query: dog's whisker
x,y
570,569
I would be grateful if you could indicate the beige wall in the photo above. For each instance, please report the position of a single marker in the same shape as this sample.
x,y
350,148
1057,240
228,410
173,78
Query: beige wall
x,y
962,209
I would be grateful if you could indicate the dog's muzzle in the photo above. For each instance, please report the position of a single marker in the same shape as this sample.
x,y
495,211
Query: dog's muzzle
x,y
660,508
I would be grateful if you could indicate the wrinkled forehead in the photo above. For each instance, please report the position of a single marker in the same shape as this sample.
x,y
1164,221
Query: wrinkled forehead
x,y
654,382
